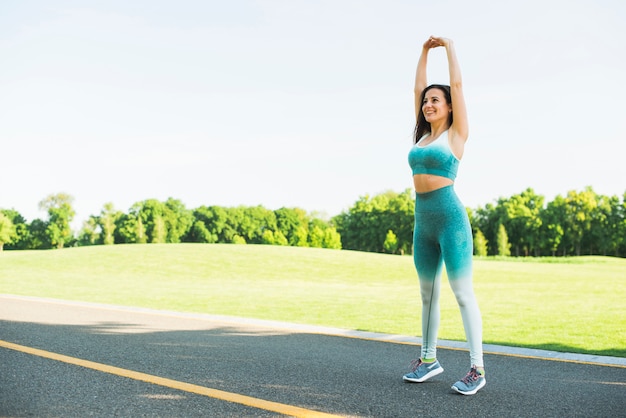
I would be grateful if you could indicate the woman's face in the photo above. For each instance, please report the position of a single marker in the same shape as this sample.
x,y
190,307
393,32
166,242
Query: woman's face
x,y
435,106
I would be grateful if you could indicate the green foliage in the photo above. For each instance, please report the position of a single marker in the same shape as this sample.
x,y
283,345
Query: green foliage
x,y
293,223
89,234
364,227
332,239
200,233
211,225
480,244
504,248
37,236
577,223
487,219
551,232
578,215
178,219
316,237
106,221
522,219
604,232
391,242
7,230
237,239
60,214
19,241
257,225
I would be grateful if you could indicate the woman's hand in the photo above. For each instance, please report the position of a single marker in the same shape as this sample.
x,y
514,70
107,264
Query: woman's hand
x,y
434,42
430,43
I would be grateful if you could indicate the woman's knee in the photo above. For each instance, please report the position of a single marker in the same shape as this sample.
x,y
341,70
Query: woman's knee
x,y
463,292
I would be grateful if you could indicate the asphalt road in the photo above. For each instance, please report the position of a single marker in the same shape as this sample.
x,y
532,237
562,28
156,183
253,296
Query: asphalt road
x,y
141,363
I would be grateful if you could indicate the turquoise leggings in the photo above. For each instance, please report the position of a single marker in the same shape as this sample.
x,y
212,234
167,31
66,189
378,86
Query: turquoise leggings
x,y
443,235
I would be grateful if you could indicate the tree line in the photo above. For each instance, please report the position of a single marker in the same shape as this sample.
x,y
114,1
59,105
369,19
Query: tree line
x,y
153,221
579,223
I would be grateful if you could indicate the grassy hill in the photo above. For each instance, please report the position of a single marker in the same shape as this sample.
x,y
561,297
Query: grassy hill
x,y
571,304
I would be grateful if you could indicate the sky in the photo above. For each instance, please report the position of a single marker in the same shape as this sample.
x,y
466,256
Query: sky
x,y
293,103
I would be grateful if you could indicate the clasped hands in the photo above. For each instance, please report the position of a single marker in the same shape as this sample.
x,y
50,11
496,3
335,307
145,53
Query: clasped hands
x,y
434,42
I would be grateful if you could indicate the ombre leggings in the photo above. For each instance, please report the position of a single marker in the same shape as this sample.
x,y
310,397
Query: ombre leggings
x,y
442,235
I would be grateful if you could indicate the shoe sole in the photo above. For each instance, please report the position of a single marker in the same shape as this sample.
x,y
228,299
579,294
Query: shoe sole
x,y
471,392
424,378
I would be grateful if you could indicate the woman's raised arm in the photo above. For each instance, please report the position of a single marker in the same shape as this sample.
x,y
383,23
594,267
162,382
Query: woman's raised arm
x,y
420,74
460,125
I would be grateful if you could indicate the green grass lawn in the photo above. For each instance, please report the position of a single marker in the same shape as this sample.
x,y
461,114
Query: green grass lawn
x,y
572,304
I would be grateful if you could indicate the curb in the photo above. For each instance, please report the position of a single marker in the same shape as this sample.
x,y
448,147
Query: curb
x,y
339,332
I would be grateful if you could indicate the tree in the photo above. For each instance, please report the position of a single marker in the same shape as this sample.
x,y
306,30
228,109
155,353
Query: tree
x,y
504,248
294,225
255,220
178,220
273,238
356,226
364,227
578,209
316,237
621,228
332,239
37,235
552,221
129,228
401,219
159,230
60,214
488,220
20,240
210,226
603,236
480,244
238,239
522,220
199,233
7,230
150,216
107,222
323,235
235,217
391,242
280,239
90,234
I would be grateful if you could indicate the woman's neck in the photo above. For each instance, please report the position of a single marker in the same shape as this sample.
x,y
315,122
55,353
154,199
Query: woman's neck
x,y
438,129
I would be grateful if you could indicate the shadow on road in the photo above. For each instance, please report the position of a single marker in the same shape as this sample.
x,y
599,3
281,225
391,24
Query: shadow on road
x,y
344,376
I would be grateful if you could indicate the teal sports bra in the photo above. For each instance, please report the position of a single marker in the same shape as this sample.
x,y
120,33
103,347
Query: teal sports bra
x,y
435,158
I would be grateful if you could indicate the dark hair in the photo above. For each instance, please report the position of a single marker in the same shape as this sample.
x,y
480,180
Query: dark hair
x,y
421,126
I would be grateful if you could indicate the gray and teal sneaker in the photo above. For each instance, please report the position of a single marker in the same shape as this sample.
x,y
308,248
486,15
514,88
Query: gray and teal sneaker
x,y
422,371
471,383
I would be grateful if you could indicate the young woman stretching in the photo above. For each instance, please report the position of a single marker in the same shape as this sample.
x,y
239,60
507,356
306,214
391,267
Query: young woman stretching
x,y
442,233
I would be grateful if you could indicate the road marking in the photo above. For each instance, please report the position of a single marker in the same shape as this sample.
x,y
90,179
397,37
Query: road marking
x,y
280,408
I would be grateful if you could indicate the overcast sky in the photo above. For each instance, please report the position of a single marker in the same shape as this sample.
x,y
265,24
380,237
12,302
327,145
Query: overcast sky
x,y
300,103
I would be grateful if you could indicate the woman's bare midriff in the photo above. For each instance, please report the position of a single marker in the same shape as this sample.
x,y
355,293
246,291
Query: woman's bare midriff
x,y
425,183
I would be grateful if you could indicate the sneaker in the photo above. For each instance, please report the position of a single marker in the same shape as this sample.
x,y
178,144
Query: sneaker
x,y
471,383
423,371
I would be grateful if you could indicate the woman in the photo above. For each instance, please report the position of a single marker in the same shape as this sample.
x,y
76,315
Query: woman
x,y
442,233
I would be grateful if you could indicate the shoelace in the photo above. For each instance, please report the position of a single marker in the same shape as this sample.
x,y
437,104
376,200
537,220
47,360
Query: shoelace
x,y
415,364
472,376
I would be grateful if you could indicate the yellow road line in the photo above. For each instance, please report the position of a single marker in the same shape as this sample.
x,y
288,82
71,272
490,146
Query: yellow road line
x,y
174,384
